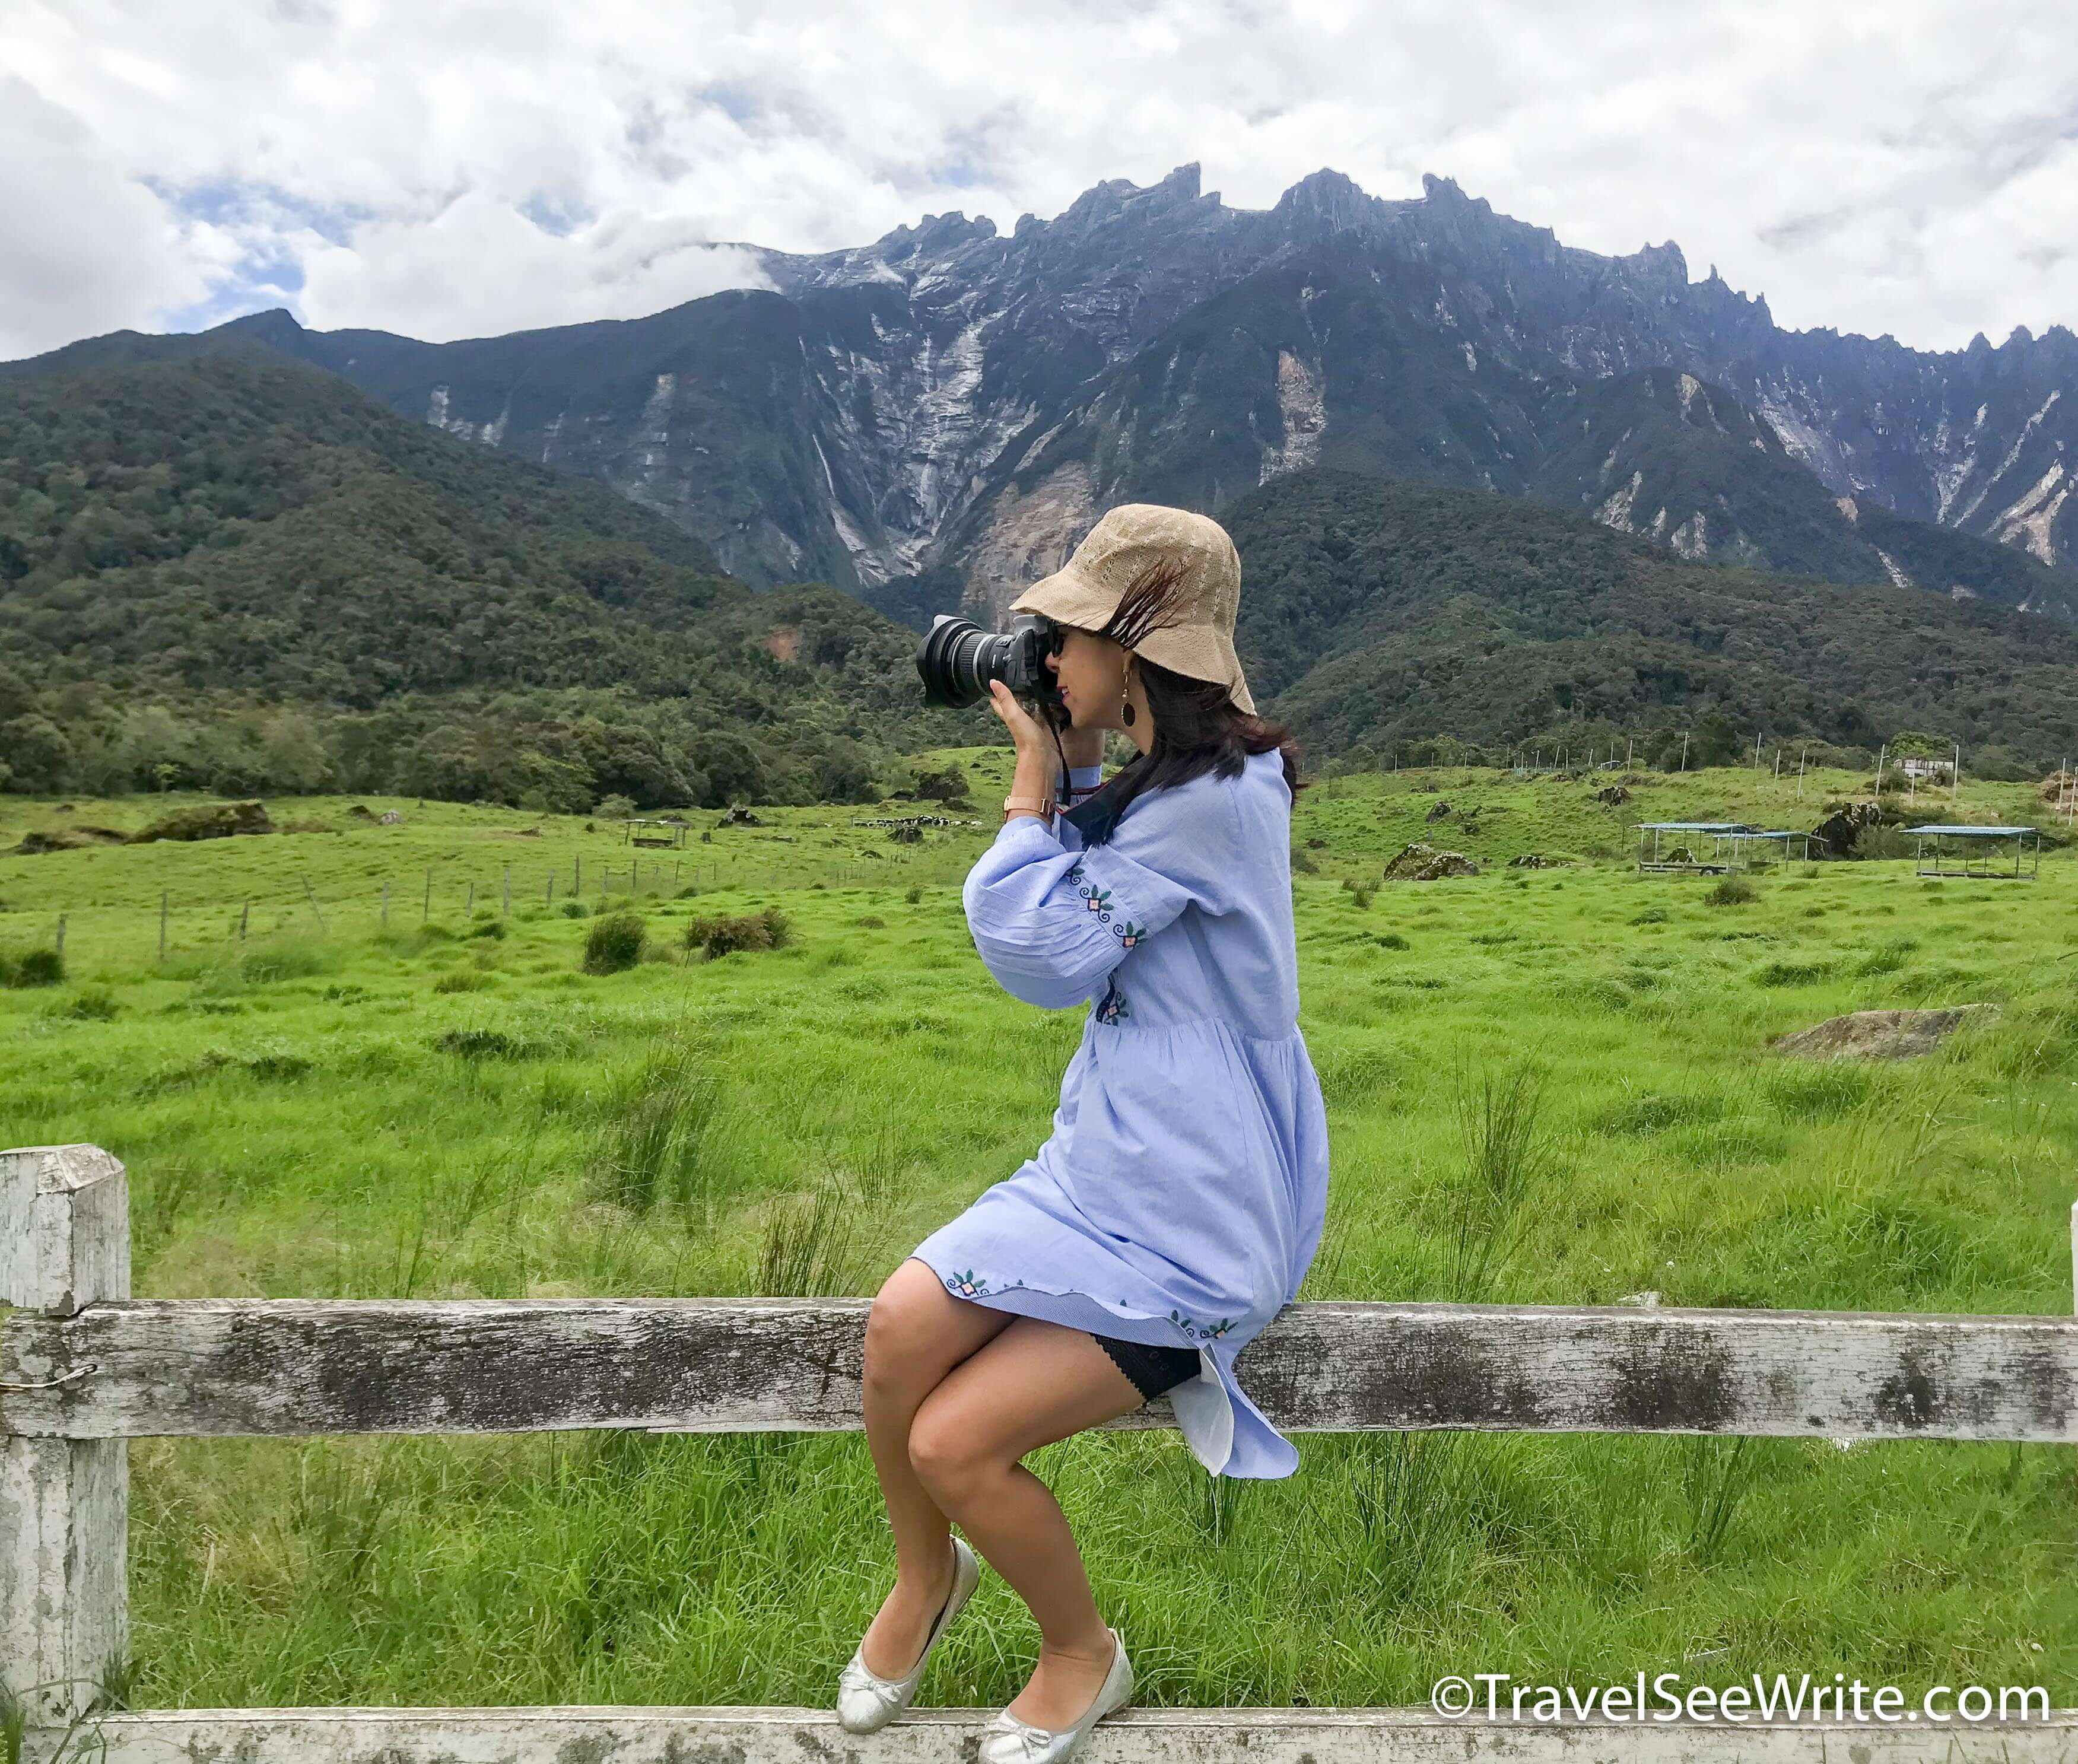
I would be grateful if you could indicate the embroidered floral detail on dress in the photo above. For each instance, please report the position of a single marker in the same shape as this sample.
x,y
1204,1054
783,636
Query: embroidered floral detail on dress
x,y
970,1285
1098,900
1112,1006
1201,1332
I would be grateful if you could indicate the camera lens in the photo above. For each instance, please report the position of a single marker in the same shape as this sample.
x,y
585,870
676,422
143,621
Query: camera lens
x,y
957,659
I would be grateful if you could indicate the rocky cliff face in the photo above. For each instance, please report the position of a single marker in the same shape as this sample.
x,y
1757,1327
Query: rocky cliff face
x,y
950,399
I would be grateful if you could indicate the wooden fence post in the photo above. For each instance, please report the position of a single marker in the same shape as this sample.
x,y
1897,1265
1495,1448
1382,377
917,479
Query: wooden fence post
x,y
64,1243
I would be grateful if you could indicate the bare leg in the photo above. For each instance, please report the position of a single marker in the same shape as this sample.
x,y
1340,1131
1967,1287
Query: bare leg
x,y
1034,1384
915,1334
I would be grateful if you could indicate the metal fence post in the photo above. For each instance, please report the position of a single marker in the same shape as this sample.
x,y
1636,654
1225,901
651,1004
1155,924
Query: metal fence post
x,y
65,1244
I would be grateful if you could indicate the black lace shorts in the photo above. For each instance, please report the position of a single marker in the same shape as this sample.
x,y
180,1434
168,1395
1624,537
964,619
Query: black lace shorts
x,y
1152,1369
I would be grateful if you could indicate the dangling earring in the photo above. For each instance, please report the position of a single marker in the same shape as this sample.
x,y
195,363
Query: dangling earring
x,y
1125,698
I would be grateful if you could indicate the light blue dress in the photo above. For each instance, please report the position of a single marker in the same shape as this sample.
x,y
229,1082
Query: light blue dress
x,y
1181,1196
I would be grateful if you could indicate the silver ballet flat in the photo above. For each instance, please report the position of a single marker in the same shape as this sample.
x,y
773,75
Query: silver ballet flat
x,y
865,1700
1006,1739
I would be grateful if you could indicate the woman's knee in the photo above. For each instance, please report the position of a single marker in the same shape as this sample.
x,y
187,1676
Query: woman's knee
x,y
904,1331
950,1451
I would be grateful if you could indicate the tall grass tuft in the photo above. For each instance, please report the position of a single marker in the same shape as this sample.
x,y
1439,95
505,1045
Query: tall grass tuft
x,y
809,1246
1506,1154
655,1144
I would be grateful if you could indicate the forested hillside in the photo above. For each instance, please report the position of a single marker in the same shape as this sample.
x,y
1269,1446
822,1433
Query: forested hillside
x,y
243,573
1374,613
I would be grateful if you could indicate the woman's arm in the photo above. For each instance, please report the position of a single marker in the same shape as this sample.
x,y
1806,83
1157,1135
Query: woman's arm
x,y
1051,921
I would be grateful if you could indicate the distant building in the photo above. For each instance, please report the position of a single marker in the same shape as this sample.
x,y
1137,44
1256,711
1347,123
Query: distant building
x,y
1927,770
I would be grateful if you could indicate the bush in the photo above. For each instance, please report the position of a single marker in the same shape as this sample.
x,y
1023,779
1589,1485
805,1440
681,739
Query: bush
x,y
470,982
1302,861
915,894
615,943
576,909
490,928
34,968
1733,891
723,936
1877,841
216,820
481,1045
94,1005
614,808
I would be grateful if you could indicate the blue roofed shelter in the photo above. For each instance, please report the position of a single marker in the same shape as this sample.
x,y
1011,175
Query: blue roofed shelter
x,y
1682,857
1978,851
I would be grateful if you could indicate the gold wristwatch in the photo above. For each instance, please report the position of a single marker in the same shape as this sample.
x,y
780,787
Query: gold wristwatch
x,y
1037,805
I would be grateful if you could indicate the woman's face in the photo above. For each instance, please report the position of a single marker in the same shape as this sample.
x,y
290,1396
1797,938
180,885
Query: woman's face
x,y
1091,672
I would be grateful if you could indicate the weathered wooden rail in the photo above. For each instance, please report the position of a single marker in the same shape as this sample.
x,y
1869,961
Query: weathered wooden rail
x,y
84,1369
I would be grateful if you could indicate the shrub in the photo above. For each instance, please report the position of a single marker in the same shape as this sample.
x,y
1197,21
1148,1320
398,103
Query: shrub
x,y
270,962
480,1044
490,928
615,943
1391,940
614,808
1793,973
1733,891
94,1005
1877,841
470,982
915,894
33,968
1302,861
722,936
576,909
1360,893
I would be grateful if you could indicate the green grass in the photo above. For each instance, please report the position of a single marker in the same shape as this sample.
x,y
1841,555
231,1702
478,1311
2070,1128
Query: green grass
x,y
1543,1087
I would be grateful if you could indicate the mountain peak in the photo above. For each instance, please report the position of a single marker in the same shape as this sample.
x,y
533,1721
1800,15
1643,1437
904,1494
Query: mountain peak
x,y
1327,197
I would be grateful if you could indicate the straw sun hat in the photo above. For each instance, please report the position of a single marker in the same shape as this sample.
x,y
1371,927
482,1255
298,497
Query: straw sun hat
x,y
1130,540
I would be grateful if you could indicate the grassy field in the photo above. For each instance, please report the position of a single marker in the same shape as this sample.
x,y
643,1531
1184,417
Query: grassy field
x,y
449,1106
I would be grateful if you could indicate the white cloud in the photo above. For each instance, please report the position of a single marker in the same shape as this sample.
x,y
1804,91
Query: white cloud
x,y
1905,167
481,268
83,248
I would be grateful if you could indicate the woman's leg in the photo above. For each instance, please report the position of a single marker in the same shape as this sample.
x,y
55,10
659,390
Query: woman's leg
x,y
915,1332
1034,1384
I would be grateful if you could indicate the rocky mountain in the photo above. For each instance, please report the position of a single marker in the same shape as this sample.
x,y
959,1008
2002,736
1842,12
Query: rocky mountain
x,y
949,405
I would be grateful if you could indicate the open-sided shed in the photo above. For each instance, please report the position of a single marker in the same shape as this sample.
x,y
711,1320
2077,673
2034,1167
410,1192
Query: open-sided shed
x,y
1684,856
1978,851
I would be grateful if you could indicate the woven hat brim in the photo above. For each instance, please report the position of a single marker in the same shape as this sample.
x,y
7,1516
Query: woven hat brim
x,y
1198,651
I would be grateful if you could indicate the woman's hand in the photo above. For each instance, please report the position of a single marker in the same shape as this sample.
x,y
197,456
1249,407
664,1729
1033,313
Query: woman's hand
x,y
1028,734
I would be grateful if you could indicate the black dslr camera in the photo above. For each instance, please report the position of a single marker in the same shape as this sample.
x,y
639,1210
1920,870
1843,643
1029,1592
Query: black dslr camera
x,y
957,659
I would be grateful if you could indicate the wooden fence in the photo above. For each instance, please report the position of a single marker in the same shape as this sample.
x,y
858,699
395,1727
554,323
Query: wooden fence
x,y
84,1369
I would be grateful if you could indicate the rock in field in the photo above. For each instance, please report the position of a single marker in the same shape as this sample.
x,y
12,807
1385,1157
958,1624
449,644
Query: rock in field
x,y
1424,863
1879,1035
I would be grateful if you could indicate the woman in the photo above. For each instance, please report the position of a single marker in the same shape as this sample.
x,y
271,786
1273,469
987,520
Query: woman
x,y
1179,1201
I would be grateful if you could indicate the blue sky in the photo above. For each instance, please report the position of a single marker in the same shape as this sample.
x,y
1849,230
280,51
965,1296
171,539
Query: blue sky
x,y
484,165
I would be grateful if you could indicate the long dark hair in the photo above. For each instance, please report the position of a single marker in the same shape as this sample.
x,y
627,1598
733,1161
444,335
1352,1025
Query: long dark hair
x,y
1198,728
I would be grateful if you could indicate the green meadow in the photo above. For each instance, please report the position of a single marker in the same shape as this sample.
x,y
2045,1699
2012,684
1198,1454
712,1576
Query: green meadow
x,y
1544,1086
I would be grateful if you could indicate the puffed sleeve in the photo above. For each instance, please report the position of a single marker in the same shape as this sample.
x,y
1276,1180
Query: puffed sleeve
x,y
1050,922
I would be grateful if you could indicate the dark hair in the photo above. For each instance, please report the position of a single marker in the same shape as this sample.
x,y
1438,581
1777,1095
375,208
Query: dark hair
x,y
1198,728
